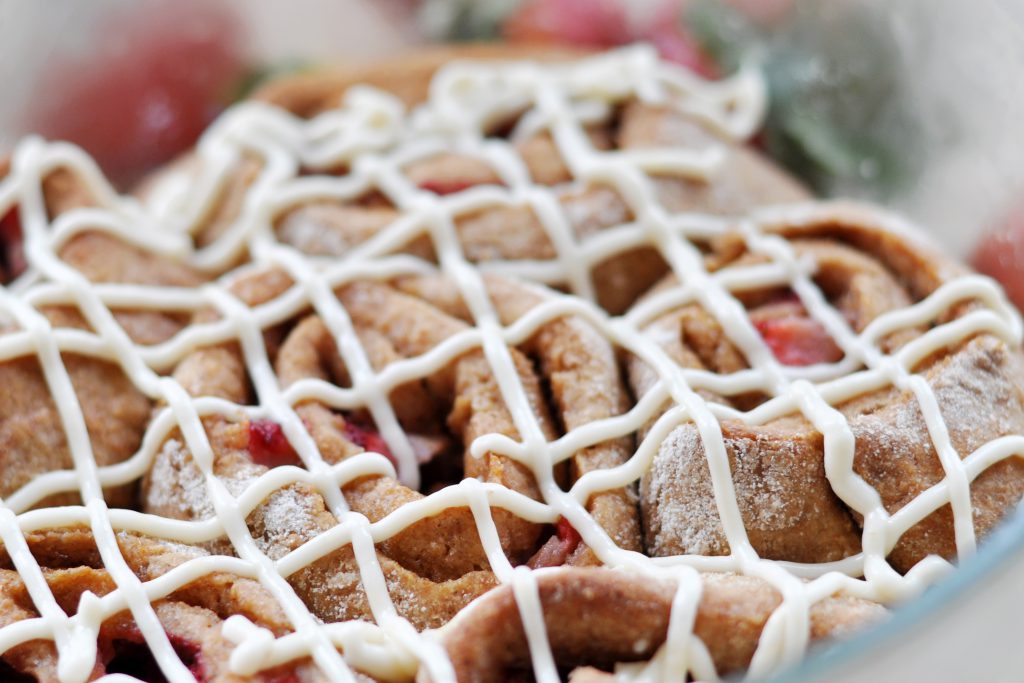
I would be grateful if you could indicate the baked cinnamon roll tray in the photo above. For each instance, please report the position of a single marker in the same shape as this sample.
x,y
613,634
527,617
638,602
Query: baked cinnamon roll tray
x,y
485,364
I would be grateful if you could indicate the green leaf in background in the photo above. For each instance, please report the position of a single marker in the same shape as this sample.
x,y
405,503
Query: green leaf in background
x,y
724,33
465,20
256,75
838,116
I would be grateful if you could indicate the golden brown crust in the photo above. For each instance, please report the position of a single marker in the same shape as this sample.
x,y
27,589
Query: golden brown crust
x,y
32,439
515,232
437,564
405,76
330,227
785,499
194,632
191,616
600,618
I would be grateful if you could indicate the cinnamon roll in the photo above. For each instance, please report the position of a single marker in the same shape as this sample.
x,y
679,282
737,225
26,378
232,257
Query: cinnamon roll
x,y
472,367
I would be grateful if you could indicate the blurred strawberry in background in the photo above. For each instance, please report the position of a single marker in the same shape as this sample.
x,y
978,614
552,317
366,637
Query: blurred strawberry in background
x,y
607,23
164,70
597,23
1000,254
604,24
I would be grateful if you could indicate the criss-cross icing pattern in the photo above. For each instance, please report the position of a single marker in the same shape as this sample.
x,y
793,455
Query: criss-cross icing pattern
x,y
375,139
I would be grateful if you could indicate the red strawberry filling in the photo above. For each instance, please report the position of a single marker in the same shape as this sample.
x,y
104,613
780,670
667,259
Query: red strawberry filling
x,y
268,445
360,432
576,22
12,248
604,23
558,548
676,44
798,340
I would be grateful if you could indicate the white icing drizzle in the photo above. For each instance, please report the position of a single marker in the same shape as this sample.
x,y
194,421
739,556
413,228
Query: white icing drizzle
x,y
372,135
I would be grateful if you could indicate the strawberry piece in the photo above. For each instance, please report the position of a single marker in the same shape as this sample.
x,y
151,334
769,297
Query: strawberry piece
x,y
604,24
147,91
1000,255
567,534
361,433
576,22
12,247
558,548
798,340
676,44
268,445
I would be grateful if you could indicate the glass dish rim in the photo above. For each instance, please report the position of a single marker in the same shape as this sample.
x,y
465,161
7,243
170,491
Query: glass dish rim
x,y
995,553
